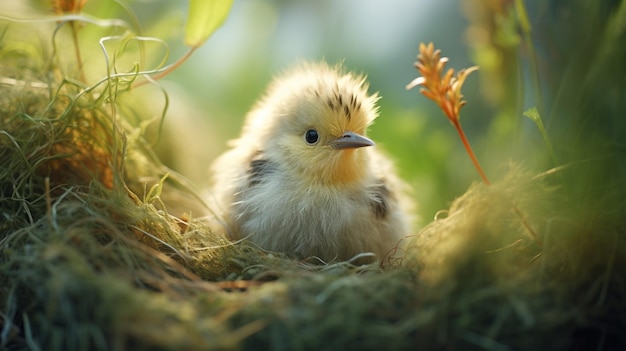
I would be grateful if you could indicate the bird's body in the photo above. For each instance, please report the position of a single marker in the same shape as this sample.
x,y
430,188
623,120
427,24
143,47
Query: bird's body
x,y
302,178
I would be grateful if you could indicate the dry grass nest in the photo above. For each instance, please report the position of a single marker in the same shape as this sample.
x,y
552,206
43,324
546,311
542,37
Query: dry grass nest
x,y
93,258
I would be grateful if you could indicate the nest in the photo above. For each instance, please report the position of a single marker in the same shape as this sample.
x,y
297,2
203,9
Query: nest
x,y
93,258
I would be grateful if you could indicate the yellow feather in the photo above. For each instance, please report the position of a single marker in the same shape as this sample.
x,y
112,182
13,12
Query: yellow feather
x,y
332,195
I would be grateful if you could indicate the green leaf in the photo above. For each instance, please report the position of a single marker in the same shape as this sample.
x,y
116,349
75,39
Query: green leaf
x,y
533,114
204,17
522,15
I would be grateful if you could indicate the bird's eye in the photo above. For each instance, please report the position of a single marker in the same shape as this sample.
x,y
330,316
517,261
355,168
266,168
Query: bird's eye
x,y
311,137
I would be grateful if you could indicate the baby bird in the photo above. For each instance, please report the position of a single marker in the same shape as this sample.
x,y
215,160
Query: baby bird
x,y
303,179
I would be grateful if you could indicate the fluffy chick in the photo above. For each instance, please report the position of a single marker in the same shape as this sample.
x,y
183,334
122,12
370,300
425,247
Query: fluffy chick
x,y
303,179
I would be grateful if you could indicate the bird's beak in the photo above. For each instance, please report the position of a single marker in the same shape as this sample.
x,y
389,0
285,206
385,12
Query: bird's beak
x,y
351,140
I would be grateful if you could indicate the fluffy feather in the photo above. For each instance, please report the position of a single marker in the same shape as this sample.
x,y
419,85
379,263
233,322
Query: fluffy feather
x,y
331,199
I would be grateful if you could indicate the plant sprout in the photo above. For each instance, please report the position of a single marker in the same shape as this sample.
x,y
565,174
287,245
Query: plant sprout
x,y
445,90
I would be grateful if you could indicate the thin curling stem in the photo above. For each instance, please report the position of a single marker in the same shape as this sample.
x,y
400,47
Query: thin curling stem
x,y
168,69
79,58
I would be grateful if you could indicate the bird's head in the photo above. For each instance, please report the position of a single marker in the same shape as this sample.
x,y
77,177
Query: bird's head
x,y
313,120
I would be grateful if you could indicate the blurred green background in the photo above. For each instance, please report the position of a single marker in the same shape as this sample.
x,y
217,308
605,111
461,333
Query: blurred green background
x,y
553,62
380,39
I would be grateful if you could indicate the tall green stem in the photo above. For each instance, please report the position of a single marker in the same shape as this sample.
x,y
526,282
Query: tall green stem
x,y
526,29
